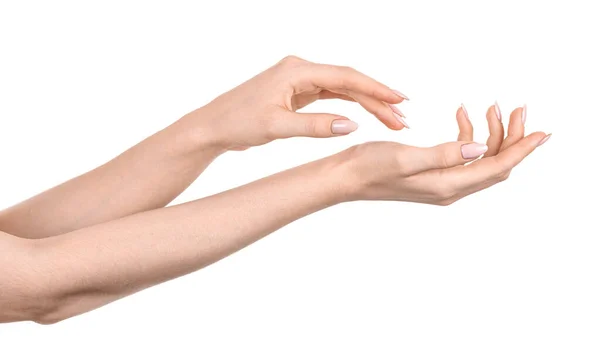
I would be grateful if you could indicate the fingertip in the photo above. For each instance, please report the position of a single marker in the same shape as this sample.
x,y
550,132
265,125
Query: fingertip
x,y
395,126
497,111
462,115
400,96
465,128
514,154
494,121
402,121
381,110
400,117
537,136
464,112
516,117
343,126
473,150
516,128
396,110
391,99
491,113
545,139
459,114
496,130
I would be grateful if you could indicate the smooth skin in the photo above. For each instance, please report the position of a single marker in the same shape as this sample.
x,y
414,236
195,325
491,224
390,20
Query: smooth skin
x,y
65,253
154,172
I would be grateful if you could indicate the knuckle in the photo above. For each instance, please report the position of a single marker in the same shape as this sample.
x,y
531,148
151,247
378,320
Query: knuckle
x,y
344,76
502,172
500,176
291,60
445,202
444,192
502,169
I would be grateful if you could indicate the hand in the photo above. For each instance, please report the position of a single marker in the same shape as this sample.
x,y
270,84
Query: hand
x,y
264,108
438,175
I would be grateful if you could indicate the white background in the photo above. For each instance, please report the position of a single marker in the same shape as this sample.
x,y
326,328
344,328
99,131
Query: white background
x,y
518,264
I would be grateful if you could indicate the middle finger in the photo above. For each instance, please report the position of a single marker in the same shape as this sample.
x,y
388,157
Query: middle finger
x,y
494,119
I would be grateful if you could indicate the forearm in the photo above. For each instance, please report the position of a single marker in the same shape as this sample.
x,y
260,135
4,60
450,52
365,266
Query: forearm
x,y
147,176
90,267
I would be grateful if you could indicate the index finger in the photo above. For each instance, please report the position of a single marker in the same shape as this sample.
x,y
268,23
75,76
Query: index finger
x,y
496,168
345,78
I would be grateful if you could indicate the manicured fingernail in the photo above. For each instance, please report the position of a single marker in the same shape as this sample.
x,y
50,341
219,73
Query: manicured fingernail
x,y
524,114
401,95
343,127
545,139
472,150
497,110
397,111
464,109
402,120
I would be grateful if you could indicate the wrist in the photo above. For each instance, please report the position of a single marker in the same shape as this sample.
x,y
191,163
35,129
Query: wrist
x,y
344,186
195,135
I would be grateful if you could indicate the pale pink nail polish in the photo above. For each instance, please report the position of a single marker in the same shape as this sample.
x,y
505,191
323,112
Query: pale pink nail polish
x,y
343,127
397,111
524,114
497,110
464,109
545,139
472,150
401,95
402,120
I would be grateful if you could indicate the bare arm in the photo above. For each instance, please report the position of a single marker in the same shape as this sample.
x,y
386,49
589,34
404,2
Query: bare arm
x,y
154,172
66,275
147,176
47,280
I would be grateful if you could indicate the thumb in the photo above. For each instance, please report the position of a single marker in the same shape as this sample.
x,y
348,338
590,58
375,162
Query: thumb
x,y
320,125
445,155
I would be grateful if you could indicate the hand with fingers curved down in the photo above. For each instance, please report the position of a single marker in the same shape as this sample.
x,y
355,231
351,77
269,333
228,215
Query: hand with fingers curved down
x,y
265,107
440,175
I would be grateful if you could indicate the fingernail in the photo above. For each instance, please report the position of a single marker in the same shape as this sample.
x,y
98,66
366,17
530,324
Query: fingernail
x,y
545,139
397,111
343,127
401,95
464,109
402,120
524,114
472,150
497,110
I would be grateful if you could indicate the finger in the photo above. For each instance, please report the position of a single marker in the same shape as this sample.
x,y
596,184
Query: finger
x,y
494,119
496,168
345,95
391,117
442,156
302,100
327,95
465,128
345,78
239,148
321,125
516,127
